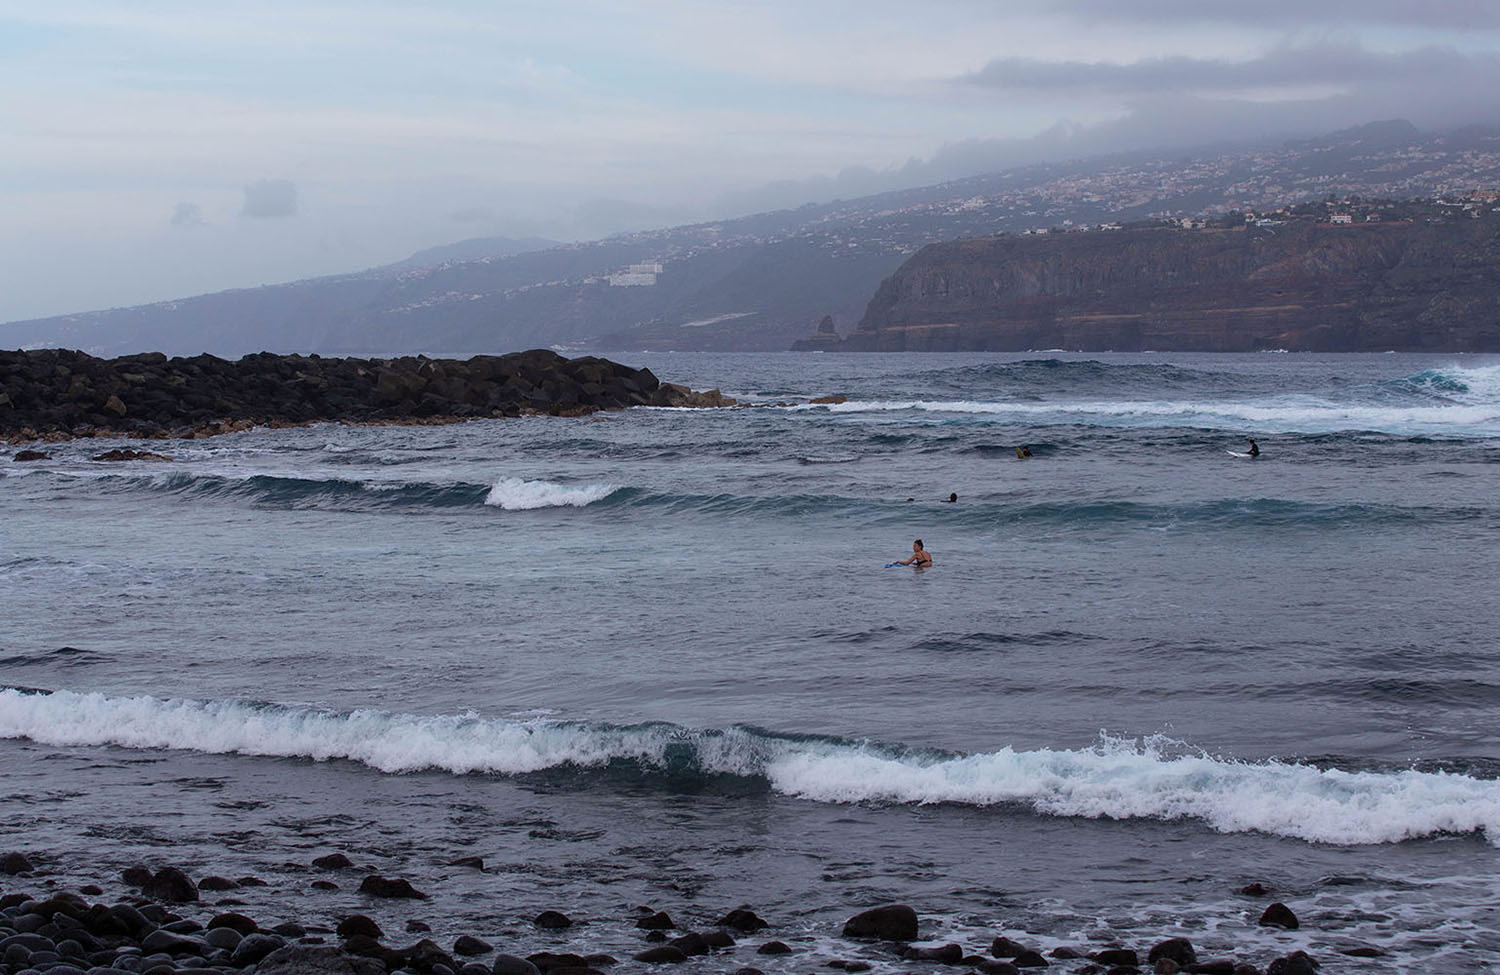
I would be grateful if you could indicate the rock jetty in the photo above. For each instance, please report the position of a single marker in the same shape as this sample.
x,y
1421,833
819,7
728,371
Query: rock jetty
x,y
54,394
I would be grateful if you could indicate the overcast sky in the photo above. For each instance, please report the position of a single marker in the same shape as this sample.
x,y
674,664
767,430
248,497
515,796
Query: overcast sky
x,y
151,150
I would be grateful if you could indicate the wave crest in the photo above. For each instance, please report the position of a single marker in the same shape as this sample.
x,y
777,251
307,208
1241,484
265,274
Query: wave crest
x,y
1115,779
515,494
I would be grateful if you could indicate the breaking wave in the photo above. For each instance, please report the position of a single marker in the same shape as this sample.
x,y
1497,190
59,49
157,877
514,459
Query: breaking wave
x,y
1116,778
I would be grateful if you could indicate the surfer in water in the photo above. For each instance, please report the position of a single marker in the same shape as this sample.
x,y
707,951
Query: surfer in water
x,y
1254,447
920,557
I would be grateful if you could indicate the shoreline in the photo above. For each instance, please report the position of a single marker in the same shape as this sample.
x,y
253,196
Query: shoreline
x,y
160,921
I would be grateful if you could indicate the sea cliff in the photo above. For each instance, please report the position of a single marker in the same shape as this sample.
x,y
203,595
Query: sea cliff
x,y
1302,286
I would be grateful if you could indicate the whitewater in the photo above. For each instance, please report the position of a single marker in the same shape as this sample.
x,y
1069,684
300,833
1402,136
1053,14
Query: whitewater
x,y
654,657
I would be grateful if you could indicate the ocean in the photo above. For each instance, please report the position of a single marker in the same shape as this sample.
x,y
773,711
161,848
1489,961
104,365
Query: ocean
x,y
655,658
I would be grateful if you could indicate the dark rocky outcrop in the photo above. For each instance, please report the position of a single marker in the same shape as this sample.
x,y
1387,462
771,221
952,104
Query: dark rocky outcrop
x,y
826,338
390,887
894,922
56,393
170,884
1278,915
1411,286
14,863
1179,950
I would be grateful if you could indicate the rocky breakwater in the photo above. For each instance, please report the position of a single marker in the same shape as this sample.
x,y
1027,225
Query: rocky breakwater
x,y
1299,286
56,393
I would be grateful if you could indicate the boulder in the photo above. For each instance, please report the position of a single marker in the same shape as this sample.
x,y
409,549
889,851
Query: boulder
x,y
1297,963
893,922
467,945
1179,950
552,920
1219,966
253,948
14,863
690,944
946,955
22,456
742,919
476,863
1116,956
1029,959
358,924
1278,915
661,954
333,861
389,887
656,921
774,948
170,884
512,965
216,883
235,922
315,960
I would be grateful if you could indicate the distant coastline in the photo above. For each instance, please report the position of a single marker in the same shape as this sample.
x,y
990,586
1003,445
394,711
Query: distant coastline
x,y
1332,277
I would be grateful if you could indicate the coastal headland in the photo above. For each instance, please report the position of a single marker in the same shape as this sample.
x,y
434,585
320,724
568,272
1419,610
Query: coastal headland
x,y
52,394
1295,283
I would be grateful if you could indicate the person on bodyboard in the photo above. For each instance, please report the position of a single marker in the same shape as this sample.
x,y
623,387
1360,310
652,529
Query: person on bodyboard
x,y
920,557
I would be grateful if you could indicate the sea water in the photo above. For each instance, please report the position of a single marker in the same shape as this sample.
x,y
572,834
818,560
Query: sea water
x,y
654,658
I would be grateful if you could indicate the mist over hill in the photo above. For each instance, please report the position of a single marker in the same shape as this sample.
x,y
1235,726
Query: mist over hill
x,y
757,282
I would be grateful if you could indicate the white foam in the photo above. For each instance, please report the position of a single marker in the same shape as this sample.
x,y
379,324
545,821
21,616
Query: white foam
x,y
1280,414
1122,779
1115,779
515,494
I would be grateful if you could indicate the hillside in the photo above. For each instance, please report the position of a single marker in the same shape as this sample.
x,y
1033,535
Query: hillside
x,y
756,282
1427,284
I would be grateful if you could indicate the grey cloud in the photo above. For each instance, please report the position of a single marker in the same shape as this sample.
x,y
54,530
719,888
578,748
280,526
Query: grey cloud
x,y
187,215
270,198
475,214
1283,67
1282,14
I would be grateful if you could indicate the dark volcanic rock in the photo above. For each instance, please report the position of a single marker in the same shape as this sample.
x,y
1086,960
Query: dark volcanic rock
x,y
333,861
1003,947
662,954
476,862
1179,950
657,921
1116,956
25,455
14,863
1297,963
170,884
1278,915
254,947
552,920
358,924
774,948
468,945
742,919
894,922
315,960
216,883
946,955
59,392
235,922
1029,959
391,887
513,965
